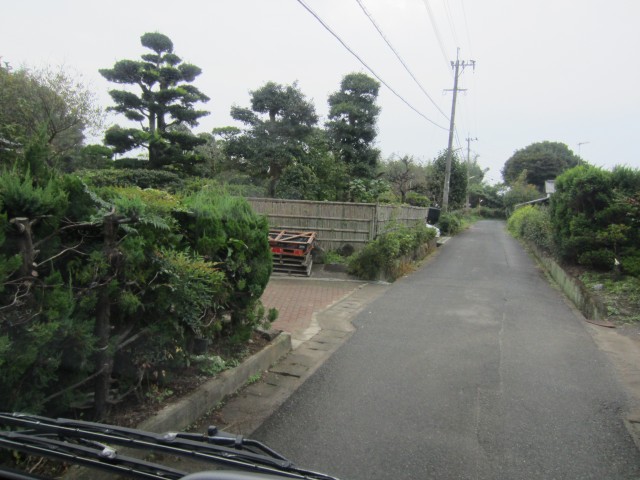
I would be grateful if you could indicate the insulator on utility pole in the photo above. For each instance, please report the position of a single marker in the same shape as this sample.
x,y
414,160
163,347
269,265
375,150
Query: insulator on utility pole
x,y
458,67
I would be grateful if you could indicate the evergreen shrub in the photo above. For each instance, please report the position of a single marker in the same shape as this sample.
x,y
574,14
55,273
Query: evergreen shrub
x,y
227,231
533,224
595,216
133,177
449,223
144,271
381,256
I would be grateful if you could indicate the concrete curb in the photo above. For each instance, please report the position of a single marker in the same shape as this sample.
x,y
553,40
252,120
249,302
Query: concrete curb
x,y
572,287
179,415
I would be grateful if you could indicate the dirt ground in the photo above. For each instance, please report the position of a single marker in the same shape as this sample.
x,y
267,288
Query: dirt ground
x,y
177,383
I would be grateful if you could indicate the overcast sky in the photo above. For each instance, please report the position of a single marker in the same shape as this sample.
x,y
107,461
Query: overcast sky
x,y
557,70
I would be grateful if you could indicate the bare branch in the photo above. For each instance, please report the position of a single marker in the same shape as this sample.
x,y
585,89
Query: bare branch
x,y
17,296
70,249
67,227
75,385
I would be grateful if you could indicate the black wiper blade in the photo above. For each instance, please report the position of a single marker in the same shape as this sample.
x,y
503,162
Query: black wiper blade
x,y
93,455
215,446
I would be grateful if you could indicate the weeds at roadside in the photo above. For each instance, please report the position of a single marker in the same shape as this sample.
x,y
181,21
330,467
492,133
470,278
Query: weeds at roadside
x,y
254,378
621,296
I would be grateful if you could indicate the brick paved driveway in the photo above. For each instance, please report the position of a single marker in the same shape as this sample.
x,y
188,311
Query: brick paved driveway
x,y
297,299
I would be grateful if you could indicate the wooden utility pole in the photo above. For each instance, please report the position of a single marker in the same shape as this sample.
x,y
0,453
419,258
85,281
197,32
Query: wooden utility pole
x,y
458,66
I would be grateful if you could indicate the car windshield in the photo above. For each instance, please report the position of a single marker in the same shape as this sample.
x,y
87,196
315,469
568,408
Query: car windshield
x,y
231,228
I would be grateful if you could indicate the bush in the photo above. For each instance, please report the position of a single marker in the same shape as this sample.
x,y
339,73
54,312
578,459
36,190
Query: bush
x,y
116,276
595,211
381,257
532,223
488,212
227,231
631,263
449,223
133,177
417,200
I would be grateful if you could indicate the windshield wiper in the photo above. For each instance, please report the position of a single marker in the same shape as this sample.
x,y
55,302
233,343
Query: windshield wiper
x,y
91,444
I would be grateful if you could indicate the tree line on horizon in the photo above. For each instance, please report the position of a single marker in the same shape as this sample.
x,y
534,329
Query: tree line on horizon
x,y
279,150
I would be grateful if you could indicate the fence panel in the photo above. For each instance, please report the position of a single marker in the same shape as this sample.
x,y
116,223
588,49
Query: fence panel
x,y
336,223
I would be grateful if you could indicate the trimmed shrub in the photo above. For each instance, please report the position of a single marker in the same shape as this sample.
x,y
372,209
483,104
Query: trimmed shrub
x,y
533,224
103,286
488,212
381,257
227,231
133,177
449,223
595,211
417,200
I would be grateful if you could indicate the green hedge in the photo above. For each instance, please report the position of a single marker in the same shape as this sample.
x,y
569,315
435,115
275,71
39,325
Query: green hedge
x,y
117,282
595,217
449,223
533,224
381,257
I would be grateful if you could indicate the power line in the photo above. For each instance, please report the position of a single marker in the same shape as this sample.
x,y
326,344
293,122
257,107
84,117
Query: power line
x,y
301,2
452,26
400,58
434,24
466,25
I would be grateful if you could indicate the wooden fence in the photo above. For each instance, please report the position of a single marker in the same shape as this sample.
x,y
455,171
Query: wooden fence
x,y
336,223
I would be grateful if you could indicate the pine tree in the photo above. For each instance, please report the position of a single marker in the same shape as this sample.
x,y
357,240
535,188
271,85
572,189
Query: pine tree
x,y
165,107
352,124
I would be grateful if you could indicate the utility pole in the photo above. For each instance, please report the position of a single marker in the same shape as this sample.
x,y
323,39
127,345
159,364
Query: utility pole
x,y
469,140
458,66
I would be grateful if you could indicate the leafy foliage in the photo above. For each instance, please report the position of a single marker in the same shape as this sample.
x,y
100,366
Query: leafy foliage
x,y
106,285
53,102
227,231
125,177
352,124
404,176
457,182
520,192
595,218
542,161
278,127
317,175
449,223
383,256
533,224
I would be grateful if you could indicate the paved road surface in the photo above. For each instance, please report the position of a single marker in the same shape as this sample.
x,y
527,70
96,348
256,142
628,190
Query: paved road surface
x,y
473,367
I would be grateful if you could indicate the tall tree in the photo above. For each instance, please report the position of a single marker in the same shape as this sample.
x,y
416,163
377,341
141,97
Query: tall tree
x,y
457,185
165,106
352,124
317,176
50,102
542,161
278,127
404,176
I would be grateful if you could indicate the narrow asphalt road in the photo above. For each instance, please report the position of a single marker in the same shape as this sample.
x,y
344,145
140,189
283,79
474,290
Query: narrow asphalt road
x,y
473,367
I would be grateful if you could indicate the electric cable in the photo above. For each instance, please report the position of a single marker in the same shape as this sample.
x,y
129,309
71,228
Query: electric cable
x,y
434,24
315,15
466,26
395,52
452,26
